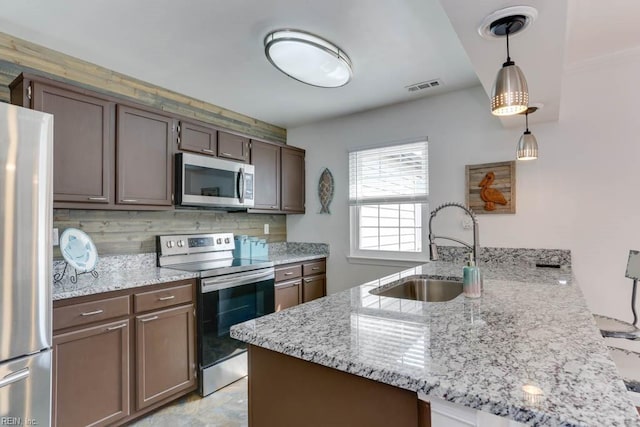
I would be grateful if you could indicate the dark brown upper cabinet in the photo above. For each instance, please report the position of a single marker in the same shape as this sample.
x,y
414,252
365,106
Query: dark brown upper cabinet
x,y
144,147
83,141
233,147
292,180
197,138
266,159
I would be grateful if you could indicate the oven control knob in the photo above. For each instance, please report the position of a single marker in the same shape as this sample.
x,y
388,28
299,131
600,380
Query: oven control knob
x,y
219,241
180,243
170,243
227,240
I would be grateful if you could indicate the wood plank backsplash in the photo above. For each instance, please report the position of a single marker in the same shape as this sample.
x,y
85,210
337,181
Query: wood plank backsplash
x,y
17,55
132,232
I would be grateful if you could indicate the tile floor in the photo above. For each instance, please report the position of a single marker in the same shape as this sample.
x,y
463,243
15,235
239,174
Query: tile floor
x,y
225,408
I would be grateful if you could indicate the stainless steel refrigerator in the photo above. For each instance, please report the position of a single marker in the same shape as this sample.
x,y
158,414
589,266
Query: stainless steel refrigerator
x,y
26,147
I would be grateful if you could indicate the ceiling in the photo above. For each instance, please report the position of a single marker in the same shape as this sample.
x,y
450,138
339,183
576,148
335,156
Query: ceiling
x,y
213,49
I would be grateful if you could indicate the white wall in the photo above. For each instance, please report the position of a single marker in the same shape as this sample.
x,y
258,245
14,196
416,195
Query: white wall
x,y
581,194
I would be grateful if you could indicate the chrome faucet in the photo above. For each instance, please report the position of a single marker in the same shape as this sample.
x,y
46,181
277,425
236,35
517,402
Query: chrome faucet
x,y
433,248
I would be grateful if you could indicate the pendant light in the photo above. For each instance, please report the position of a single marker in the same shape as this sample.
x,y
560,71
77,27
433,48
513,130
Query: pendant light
x,y
510,94
308,58
528,145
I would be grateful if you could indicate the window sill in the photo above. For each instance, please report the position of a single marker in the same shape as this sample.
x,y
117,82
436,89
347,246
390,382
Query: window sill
x,y
387,262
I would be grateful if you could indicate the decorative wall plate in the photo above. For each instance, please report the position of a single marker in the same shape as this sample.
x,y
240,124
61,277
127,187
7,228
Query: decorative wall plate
x,y
78,250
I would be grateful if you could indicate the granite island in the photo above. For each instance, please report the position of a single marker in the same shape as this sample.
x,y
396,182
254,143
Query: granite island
x,y
527,350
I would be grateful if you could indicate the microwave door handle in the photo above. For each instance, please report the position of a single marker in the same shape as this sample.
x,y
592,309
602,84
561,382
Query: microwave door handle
x,y
241,185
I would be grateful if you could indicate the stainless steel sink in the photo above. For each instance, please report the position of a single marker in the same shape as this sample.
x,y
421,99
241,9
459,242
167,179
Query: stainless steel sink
x,y
422,289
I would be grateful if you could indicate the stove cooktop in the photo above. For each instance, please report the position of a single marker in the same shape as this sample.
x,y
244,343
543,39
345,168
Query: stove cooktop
x,y
222,266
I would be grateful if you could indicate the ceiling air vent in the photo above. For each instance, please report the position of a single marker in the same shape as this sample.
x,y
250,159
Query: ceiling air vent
x,y
424,85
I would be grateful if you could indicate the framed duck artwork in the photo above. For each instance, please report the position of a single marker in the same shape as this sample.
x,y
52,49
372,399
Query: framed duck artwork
x,y
491,188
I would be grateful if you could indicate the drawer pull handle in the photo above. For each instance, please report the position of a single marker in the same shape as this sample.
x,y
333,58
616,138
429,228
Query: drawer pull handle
x,y
113,328
288,273
308,280
170,297
315,268
206,150
129,200
97,199
290,285
92,313
149,319
225,154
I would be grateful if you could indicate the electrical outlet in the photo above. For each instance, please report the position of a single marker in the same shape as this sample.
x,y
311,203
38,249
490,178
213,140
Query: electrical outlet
x,y
266,229
55,238
467,223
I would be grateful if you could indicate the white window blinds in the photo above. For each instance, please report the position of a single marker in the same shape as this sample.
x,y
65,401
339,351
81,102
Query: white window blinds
x,y
394,174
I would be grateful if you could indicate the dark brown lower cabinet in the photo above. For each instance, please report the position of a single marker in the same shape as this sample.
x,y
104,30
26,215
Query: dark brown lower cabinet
x,y
313,287
165,354
91,375
300,282
288,294
288,392
121,354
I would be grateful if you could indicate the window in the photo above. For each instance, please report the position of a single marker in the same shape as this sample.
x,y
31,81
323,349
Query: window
x,y
388,196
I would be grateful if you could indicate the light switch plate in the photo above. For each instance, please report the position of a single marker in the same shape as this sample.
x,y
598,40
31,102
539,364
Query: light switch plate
x,y
266,229
55,239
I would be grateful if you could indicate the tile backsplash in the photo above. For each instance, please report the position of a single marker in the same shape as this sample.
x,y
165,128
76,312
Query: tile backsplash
x,y
134,232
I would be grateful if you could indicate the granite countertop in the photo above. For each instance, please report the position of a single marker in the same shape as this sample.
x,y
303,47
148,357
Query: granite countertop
x,y
118,272
290,252
289,258
530,327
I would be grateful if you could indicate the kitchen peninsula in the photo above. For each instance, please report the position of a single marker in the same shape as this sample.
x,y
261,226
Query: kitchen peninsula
x,y
527,350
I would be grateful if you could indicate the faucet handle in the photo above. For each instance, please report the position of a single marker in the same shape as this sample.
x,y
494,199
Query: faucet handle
x,y
433,252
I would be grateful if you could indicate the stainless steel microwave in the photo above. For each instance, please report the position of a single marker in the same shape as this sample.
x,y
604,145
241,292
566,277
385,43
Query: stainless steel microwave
x,y
213,183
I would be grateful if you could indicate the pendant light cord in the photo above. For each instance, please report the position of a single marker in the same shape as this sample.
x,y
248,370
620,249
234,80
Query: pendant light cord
x,y
526,119
507,34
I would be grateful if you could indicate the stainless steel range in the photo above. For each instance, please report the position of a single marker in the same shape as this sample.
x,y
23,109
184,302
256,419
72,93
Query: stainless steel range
x,y
231,291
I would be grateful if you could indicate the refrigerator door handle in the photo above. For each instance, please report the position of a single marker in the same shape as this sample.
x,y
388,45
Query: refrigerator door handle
x,y
14,377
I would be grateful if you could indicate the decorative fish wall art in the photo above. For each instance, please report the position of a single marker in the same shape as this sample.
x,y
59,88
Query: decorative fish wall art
x,y
325,190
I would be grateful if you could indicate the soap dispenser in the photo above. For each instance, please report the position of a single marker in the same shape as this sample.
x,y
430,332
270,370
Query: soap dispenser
x,y
471,279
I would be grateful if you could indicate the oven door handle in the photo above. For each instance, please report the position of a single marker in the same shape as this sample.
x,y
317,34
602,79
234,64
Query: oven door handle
x,y
212,284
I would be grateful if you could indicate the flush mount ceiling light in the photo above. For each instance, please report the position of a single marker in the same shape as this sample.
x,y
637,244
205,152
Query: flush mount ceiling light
x,y
510,93
528,145
308,58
